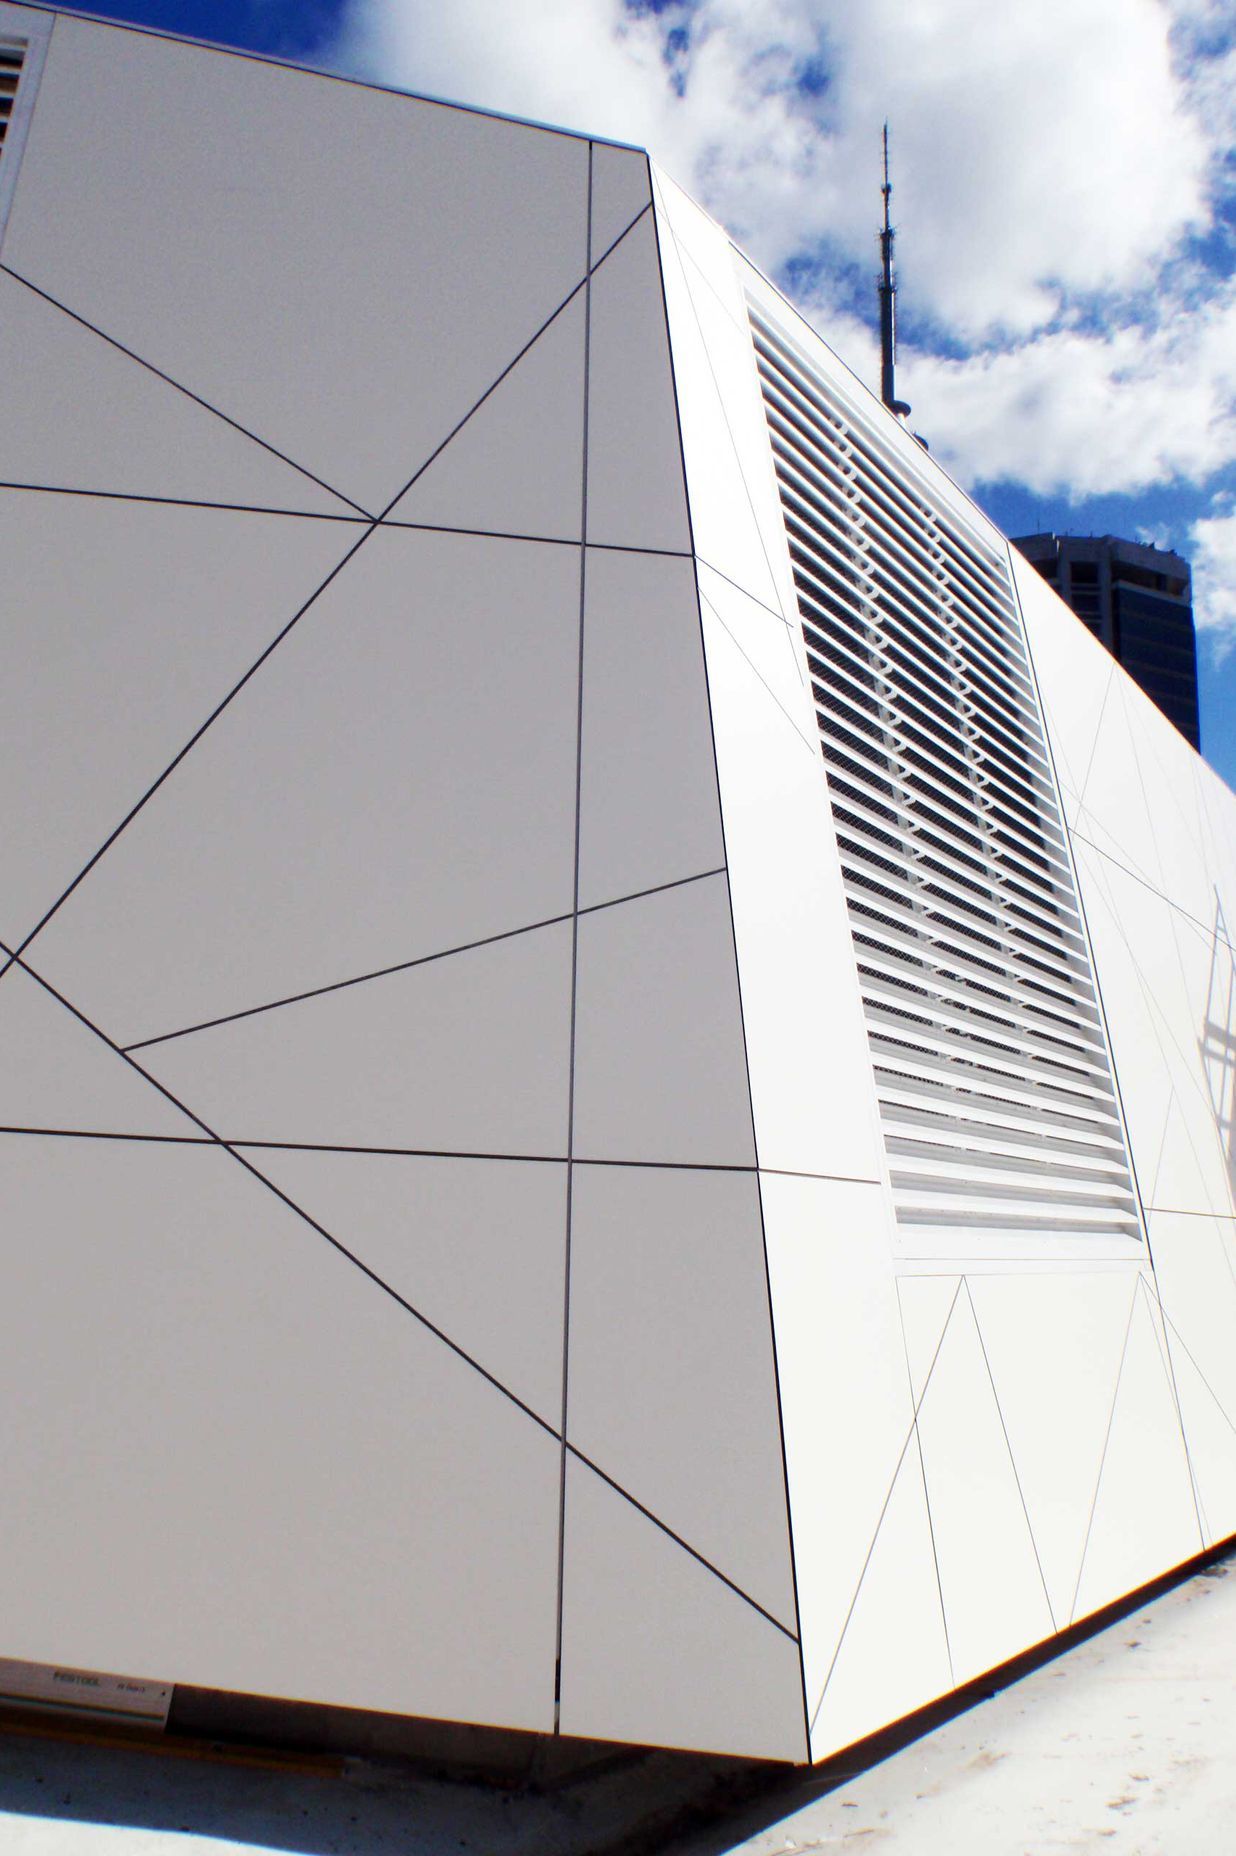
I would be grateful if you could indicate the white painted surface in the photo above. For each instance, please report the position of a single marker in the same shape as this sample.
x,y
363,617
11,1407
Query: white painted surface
x,y
243,1469
142,438
476,1246
1122,1746
125,624
620,192
671,1375
649,811
514,467
397,780
636,497
469,1055
243,263
659,1065
651,1637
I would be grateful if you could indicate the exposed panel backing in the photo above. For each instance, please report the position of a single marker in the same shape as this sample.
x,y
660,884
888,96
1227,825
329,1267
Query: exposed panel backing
x,y
996,1093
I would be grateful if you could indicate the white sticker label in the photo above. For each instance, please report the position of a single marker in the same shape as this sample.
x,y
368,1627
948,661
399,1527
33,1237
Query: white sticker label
x,y
84,1691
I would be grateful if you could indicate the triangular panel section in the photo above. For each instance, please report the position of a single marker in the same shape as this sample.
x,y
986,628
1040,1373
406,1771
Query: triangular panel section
x,y
344,269
893,1654
1054,1344
1191,1174
81,415
1113,793
515,467
56,1073
927,1305
396,781
736,517
660,1069
649,809
995,1600
1144,1518
1210,1432
1194,1288
469,1054
671,1381
657,1649
620,192
1074,675
636,493
125,625
476,1246
288,1485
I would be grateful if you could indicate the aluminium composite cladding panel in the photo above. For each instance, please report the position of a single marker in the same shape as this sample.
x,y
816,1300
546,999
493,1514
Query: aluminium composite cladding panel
x,y
678,1621
967,1452
1154,833
258,1437
376,808
240,265
825,1210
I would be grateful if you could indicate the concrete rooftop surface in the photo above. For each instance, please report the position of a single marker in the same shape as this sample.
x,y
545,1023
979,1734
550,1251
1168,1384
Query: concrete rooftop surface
x,y
1122,1745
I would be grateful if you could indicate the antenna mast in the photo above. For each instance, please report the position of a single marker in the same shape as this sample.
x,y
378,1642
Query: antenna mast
x,y
888,298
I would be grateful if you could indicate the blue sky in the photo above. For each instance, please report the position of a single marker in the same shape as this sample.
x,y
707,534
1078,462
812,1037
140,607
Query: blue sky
x,y
1065,191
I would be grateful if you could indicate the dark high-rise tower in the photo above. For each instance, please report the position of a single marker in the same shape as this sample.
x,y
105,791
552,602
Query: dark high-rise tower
x,y
1137,599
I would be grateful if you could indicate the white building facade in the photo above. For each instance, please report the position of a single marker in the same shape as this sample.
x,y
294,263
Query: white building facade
x,y
617,1033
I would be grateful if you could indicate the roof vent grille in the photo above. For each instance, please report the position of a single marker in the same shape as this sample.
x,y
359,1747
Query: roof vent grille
x,y
996,1094
12,58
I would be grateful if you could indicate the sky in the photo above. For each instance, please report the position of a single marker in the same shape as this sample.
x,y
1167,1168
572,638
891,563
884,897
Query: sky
x,y
1064,194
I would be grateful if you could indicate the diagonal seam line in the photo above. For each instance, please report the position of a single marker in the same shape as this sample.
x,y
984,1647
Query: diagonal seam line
x,y
513,363
686,1546
228,1148
1171,902
1107,1436
189,745
1163,1346
430,1153
887,1499
747,593
183,502
420,960
1162,1147
922,1470
215,1140
1156,1016
1098,729
373,523
811,746
1009,1447
1185,1349
734,446
187,391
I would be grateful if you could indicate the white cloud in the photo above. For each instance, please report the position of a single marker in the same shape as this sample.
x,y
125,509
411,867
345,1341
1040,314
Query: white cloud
x,y
1038,150
1213,550
1050,162
1076,412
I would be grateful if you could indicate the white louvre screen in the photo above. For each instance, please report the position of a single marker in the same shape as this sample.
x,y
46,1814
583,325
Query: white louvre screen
x,y
12,57
995,1087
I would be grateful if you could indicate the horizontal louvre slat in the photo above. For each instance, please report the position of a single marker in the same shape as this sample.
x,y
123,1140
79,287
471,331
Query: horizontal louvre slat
x,y
12,57
992,1071
1012,1156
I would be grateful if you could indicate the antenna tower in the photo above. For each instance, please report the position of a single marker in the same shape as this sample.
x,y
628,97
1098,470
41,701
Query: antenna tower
x,y
888,300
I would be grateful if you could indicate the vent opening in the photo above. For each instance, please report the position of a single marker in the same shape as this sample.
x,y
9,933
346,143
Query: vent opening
x,y
12,58
996,1095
